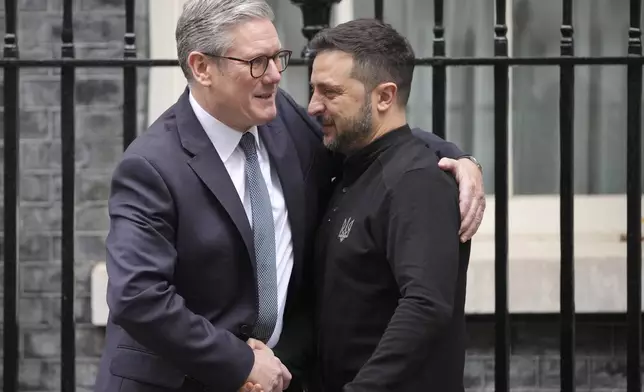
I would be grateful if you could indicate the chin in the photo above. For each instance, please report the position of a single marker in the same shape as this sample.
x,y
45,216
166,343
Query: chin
x,y
266,115
329,142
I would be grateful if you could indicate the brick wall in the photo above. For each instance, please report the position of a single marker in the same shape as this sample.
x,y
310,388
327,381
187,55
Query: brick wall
x,y
99,34
99,27
600,357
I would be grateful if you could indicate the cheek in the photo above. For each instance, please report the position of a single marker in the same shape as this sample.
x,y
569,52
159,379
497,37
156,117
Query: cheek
x,y
335,111
346,109
342,119
236,85
227,90
239,95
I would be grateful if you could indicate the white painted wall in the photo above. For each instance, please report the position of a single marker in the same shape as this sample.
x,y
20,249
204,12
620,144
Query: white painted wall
x,y
166,83
342,12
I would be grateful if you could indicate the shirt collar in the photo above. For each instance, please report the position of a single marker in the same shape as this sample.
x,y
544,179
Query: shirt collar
x,y
224,138
357,162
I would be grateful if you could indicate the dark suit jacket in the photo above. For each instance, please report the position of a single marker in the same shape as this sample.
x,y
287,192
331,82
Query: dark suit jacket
x,y
180,255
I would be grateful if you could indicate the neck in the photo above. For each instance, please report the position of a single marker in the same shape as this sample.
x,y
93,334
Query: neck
x,y
389,123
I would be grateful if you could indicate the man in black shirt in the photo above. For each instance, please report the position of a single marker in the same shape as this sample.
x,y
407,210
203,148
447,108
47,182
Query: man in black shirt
x,y
392,271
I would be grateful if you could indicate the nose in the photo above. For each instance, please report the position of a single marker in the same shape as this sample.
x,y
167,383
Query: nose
x,y
272,74
316,108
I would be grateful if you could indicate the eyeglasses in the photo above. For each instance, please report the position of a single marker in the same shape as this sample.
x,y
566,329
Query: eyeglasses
x,y
259,64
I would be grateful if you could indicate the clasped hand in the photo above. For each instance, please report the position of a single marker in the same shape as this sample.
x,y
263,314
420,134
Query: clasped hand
x,y
268,373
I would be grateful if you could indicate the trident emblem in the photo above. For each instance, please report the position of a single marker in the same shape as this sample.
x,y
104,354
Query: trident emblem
x,y
346,229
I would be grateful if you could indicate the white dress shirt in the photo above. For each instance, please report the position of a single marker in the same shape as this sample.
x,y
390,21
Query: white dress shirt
x,y
226,142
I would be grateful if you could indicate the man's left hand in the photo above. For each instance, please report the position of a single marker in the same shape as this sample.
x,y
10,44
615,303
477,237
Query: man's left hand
x,y
471,194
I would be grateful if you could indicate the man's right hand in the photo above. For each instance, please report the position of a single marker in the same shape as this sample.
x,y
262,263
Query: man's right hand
x,y
267,369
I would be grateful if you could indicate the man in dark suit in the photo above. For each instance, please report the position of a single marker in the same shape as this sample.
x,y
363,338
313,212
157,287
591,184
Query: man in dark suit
x,y
213,211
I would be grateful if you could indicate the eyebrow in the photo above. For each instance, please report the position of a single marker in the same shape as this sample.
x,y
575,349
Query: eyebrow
x,y
327,86
264,53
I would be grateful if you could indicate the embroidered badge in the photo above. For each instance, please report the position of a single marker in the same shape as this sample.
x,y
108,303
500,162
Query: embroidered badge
x,y
345,229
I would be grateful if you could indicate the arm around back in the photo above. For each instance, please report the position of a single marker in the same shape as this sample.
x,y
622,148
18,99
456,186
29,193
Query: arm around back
x,y
443,148
141,258
286,103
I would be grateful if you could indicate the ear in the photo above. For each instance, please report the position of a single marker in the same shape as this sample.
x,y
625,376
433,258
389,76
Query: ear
x,y
201,68
385,95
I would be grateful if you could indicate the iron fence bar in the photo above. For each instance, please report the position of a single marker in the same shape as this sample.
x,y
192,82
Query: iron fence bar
x,y
427,61
316,16
634,206
532,61
68,140
501,93
11,194
439,74
566,200
129,78
379,12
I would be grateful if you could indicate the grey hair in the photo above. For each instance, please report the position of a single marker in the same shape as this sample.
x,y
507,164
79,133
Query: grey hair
x,y
204,26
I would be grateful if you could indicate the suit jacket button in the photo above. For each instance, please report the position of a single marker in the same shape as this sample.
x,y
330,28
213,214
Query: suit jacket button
x,y
245,331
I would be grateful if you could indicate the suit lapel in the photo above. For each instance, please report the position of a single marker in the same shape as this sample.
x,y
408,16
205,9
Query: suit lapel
x,y
284,159
208,166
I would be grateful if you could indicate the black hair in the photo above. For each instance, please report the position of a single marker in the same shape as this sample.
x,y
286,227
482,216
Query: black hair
x,y
380,53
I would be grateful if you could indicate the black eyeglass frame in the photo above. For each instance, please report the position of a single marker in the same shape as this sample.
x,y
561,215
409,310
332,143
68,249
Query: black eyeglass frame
x,y
250,62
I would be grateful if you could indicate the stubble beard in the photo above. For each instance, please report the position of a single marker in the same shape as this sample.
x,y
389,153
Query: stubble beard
x,y
355,135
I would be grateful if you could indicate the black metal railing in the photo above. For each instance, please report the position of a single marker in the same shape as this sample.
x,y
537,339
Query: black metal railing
x,y
634,206
316,14
68,141
501,190
566,186
11,150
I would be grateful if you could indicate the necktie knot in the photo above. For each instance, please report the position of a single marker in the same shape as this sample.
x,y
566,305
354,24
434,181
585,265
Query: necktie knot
x,y
247,143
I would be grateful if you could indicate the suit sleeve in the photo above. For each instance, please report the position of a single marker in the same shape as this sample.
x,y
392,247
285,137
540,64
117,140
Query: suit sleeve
x,y
312,125
443,148
422,249
141,258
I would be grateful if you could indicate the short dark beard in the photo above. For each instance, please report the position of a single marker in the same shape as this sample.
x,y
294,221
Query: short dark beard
x,y
353,138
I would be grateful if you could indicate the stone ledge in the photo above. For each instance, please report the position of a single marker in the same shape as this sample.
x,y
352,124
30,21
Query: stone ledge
x,y
600,276
533,273
99,294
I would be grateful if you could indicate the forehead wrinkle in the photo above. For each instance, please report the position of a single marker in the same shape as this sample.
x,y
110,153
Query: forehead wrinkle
x,y
248,31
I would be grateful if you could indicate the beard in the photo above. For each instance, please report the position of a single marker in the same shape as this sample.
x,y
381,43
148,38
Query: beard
x,y
352,135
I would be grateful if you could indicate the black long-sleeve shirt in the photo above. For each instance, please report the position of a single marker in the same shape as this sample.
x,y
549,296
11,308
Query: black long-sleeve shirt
x,y
392,293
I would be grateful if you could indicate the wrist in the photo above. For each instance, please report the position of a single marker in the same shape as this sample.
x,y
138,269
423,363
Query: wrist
x,y
473,160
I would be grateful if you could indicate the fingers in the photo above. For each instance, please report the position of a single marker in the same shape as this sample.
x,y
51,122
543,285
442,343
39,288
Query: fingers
x,y
477,211
465,187
471,197
279,385
449,165
286,376
465,203
256,344
250,387
467,230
